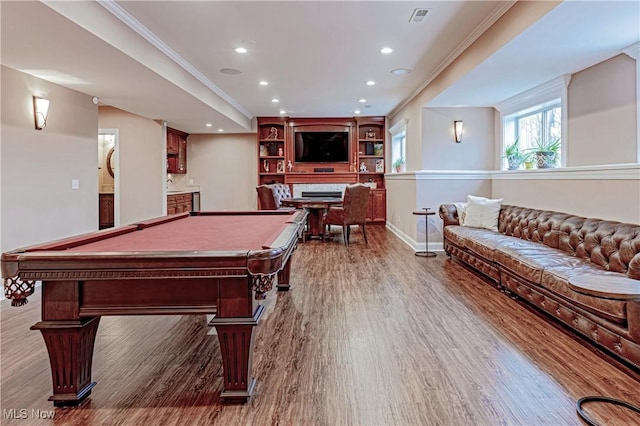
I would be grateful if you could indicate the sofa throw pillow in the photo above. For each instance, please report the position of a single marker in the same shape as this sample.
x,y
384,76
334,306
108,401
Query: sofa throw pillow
x,y
461,209
482,212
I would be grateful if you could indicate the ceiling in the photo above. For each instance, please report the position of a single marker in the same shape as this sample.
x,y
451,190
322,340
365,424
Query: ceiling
x,y
162,59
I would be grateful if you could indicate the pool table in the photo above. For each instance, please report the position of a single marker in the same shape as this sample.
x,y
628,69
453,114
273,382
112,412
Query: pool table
x,y
219,263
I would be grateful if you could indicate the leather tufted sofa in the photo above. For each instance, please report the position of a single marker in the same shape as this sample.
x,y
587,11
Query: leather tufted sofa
x,y
534,253
269,196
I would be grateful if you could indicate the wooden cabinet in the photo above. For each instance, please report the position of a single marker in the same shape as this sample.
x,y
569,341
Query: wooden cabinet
x,y
371,135
105,211
272,161
176,151
377,209
277,141
179,203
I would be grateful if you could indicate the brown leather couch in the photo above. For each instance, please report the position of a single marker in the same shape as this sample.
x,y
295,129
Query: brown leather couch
x,y
534,253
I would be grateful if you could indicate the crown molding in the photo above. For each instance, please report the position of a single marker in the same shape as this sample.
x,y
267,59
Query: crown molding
x,y
633,51
126,18
539,94
468,41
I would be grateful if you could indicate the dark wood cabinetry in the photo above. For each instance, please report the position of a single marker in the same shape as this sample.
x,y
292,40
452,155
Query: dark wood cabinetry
x,y
377,209
371,149
176,151
105,211
179,203
271,150
276,145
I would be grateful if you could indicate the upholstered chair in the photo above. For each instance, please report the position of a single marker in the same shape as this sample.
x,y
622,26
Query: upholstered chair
x,y
269,196
352,212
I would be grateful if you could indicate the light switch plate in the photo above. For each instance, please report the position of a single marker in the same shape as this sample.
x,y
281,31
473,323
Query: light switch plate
x,y
75,184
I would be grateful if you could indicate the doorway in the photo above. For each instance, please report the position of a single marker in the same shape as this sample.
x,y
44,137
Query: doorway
x,y
108,180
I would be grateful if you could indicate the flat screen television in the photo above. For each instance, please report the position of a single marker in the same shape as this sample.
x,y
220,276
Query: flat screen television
x,y
322,147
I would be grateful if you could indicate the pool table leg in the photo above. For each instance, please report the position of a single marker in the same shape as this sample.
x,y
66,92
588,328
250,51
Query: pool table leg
x,y
70,346
283,276
235,336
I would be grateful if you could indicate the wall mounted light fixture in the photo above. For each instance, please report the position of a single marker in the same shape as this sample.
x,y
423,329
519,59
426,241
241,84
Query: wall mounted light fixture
x,y
457,128
40,111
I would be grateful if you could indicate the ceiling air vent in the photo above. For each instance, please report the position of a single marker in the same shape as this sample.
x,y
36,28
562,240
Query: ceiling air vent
x,y
418,15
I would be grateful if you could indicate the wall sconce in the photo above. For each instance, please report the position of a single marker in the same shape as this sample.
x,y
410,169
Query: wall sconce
x,y
40,111
457,127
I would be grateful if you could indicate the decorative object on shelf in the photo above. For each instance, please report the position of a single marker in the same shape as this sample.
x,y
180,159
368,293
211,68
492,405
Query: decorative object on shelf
x,y
371,184
263,150
370,134
368,148
457,127
290,166
280,166
380,166
363,167
280,151
377,149
265,166
273,133
398,165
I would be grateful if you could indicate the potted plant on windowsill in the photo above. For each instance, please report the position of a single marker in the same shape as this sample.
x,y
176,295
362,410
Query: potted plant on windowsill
x,y
398,165
546,153
514,156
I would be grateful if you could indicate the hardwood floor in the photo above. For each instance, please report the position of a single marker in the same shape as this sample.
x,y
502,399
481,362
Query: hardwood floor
x,y
368,335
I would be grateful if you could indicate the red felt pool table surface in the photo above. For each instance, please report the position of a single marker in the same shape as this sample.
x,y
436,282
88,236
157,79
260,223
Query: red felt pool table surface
x,y
220,263
198,233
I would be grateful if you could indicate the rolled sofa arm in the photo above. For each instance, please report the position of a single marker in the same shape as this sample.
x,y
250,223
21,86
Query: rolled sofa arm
x,y
448,214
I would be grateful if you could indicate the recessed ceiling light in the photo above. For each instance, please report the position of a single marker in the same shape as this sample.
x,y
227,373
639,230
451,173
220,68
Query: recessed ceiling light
x,y
208,124
356,111
363,100
231,71
241,50
283,111
400,71
371,83
386,50
275,101
221,130
263,83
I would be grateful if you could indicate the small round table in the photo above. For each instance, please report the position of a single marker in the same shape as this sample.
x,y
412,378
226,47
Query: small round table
x,y
316,207
606,287
426,212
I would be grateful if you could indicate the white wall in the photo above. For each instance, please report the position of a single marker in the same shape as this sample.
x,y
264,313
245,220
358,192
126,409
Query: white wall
x,y
602,113
225,167
142,161
441,152
38,166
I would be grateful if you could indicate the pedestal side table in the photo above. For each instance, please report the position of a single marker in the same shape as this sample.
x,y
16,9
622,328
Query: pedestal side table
x,y
426,212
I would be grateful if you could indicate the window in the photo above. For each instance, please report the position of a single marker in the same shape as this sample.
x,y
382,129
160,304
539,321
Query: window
x,y
398,145
536,128
535,120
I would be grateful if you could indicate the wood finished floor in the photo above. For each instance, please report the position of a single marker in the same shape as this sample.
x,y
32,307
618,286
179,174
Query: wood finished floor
x,y
368,335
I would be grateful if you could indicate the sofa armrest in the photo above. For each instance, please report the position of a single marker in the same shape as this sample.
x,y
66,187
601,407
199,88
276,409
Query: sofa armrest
x,y
448,214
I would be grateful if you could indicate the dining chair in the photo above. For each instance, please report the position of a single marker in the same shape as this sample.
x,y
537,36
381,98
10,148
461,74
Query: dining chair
x,y
269,195
352,212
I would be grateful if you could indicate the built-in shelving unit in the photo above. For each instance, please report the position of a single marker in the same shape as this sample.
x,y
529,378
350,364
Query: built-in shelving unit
x,y
271,150
276,155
